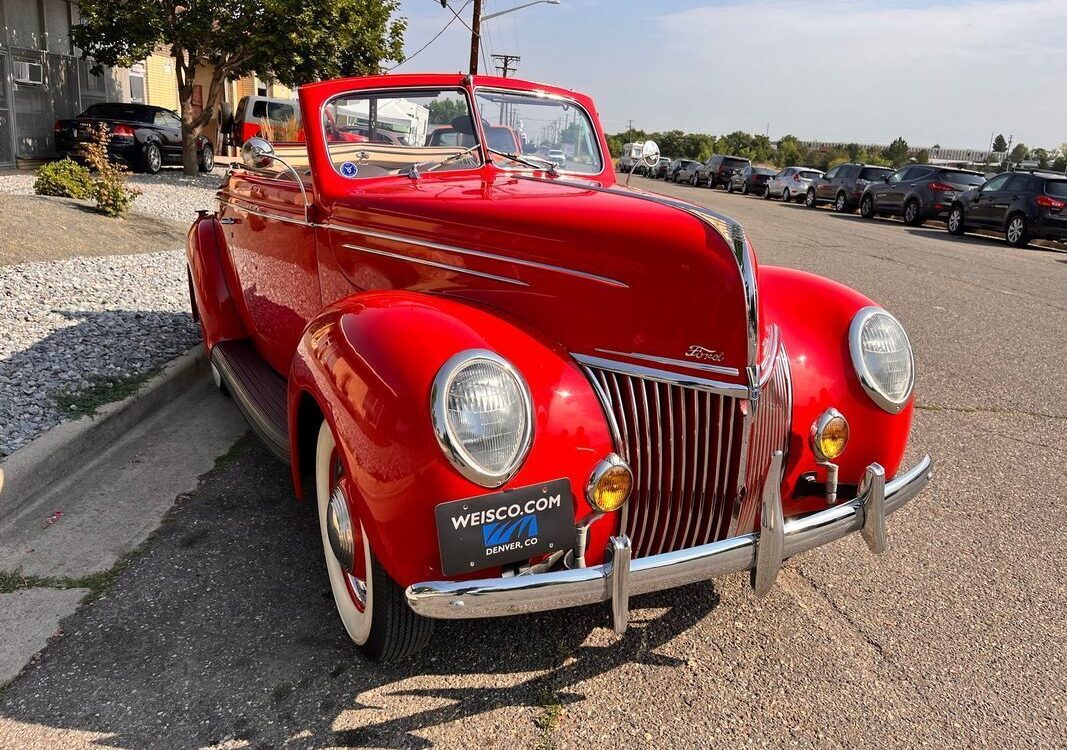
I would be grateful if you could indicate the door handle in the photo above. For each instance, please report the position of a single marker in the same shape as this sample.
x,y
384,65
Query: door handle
x,y
229,220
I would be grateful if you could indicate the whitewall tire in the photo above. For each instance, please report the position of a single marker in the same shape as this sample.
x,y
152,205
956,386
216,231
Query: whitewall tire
x,y
370,604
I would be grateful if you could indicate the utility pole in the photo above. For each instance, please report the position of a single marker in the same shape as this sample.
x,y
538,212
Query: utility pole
x,y
476,34
505,64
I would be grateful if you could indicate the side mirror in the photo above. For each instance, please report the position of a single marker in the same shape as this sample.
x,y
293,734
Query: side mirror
x,y
650,153
257,153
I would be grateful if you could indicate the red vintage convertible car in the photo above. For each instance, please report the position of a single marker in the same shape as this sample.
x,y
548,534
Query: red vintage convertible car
x,y
513,385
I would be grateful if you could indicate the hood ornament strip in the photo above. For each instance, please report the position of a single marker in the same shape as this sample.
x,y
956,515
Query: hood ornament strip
x,y
717,369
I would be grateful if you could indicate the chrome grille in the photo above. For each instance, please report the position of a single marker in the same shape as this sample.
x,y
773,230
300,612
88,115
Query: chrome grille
x,y
683,443
770,432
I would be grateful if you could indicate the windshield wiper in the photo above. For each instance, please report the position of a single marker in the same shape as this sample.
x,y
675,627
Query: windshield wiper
x,y
536,162
415,170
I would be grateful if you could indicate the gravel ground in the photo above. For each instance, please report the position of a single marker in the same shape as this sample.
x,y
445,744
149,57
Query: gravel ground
x,y
72,323
169,194
68,324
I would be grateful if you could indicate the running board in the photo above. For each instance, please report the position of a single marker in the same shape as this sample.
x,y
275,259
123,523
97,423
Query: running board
x,y
258,391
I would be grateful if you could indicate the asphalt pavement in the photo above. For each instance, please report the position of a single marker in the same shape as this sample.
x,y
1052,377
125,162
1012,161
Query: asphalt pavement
x,y
222,632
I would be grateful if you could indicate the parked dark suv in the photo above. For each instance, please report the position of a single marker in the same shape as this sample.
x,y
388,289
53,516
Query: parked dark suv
x,y
843,185
718,170
1024,205
917,192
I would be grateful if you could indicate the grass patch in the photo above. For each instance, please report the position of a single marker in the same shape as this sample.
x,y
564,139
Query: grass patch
x,y
227,458
97,583
549,720
101,390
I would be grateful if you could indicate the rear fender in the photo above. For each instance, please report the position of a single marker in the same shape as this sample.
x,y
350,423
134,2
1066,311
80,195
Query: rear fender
x,y
215,306
813,314
368,363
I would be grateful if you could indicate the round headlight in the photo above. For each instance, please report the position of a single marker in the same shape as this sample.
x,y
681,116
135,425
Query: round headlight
x,y
482,416
881,354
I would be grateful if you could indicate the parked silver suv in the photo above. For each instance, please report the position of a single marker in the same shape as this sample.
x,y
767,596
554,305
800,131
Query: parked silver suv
x,y
791,183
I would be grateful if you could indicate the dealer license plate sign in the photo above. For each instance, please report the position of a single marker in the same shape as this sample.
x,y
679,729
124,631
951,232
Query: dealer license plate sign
x,y
505,527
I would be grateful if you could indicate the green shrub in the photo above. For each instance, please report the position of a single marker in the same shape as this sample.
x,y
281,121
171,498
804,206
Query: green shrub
x,y
65,178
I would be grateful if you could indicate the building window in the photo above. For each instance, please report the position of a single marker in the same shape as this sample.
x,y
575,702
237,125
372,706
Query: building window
x,y
137,84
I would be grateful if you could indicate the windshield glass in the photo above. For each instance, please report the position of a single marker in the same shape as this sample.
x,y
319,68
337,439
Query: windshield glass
x,y
379,133
733,163
547,128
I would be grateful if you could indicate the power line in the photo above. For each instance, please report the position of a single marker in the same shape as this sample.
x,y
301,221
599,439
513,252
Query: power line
x,y
410,57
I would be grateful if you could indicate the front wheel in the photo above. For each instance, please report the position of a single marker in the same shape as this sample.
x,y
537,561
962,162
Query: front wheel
x,y
867,207
841,204
371,605
767,194
744,189
1016,232
785,195
809,199
955,221
207,158
730,187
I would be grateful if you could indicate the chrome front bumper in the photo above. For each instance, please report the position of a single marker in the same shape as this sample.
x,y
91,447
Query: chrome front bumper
x,y
619,578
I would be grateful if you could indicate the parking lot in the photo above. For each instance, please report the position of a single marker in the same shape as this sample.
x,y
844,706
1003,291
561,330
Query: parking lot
x,y
222,632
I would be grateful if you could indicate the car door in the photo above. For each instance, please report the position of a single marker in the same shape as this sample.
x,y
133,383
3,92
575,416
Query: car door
x,y
887,194
1007,198
169,129
774,187
743,177
980,212
826,187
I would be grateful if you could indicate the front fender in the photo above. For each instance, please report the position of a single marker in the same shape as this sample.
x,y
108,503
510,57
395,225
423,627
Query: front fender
x,y
813,314
369,361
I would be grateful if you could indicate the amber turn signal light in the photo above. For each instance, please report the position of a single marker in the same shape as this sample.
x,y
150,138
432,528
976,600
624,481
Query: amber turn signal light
x,y
829,435
609,484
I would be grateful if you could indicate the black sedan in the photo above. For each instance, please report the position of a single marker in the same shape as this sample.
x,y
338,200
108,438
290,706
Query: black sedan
x,y
750,180
1022,205
142,136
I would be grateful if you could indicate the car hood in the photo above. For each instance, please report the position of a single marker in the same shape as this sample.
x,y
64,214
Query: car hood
x,y
601,270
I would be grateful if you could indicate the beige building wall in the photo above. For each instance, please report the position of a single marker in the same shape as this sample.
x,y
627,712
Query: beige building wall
x,y
161,85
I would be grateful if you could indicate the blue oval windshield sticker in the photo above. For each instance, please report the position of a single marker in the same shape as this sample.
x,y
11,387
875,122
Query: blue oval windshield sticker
x,y
348,169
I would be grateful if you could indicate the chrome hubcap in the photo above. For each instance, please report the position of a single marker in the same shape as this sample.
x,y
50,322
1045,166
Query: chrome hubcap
x,y
1015,230
339,529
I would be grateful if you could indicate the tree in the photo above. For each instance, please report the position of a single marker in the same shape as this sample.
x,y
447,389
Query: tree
x,y
1041,156
292,41
790,153
897,152
1019,153
923,157
999,144
446,110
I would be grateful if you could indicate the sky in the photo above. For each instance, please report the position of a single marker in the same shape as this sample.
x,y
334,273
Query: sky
x,y
864,71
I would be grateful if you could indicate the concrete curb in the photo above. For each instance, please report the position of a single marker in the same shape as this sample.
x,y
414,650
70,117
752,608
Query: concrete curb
x,y
64,449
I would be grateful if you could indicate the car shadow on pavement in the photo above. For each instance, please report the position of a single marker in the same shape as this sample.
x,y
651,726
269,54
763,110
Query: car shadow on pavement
x,y
224,629
88,356
941,233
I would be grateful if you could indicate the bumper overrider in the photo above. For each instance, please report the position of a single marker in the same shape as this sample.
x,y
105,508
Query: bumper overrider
x,y
620,577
